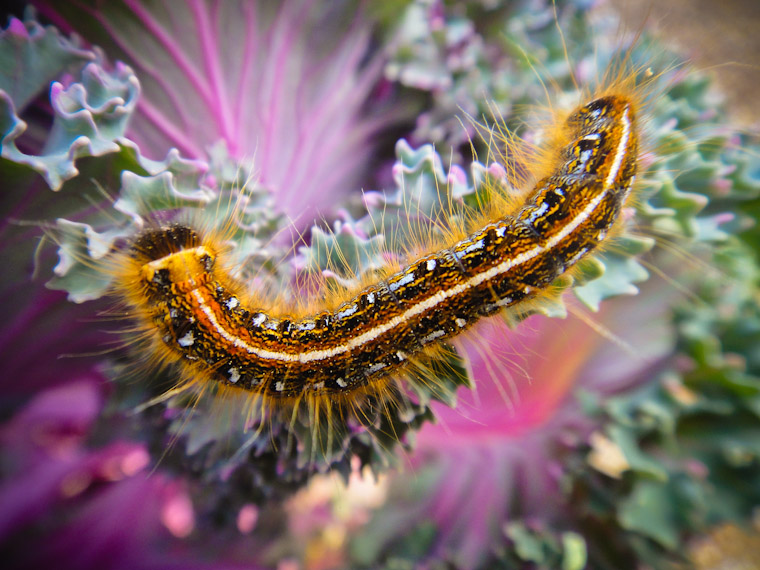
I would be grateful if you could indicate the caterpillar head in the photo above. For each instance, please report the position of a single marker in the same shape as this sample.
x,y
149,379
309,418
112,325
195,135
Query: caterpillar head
x,y
173,256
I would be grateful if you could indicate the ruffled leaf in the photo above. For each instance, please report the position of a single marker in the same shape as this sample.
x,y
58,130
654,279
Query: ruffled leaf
x,y
31,56
78,131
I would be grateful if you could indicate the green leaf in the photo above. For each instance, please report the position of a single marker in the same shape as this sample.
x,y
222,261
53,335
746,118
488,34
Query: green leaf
x,y
650,511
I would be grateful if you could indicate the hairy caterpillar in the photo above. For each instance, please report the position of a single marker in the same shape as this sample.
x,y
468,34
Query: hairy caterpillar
x,y
175,281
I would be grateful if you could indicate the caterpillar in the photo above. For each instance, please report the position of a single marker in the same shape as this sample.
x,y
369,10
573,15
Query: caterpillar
x,y
202,320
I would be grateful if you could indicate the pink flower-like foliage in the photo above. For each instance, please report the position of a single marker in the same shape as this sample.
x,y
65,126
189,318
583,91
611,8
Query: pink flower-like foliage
x,y
273,82
497,457
68,505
